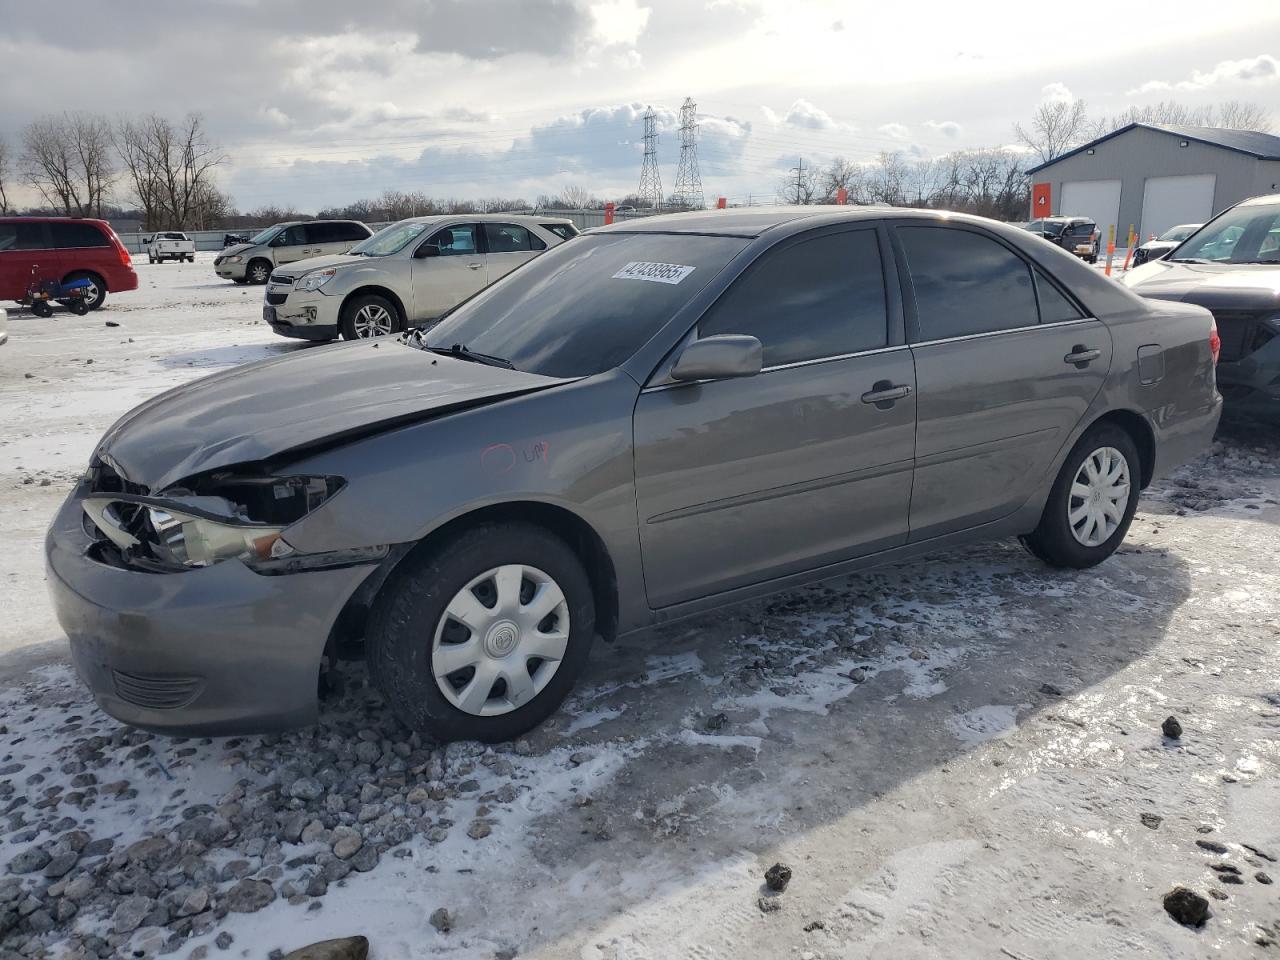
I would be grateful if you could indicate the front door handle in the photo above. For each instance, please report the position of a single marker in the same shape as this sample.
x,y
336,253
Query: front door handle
x,y
884,393
1080,355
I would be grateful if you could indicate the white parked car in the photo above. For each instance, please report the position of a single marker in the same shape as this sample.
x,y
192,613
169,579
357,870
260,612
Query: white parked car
x,y
406,275
253,260
170,245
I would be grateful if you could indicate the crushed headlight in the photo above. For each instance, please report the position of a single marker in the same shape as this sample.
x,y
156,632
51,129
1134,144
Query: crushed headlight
x,y
223,517
314,281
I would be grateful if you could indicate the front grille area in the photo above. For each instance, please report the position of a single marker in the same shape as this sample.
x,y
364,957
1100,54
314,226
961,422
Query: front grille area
x,y
156,692
275,299
283,281
1242,333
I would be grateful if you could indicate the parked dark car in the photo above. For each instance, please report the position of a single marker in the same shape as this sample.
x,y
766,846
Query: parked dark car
x,y
1164,244
1077,235
63,250
1231,265
652,421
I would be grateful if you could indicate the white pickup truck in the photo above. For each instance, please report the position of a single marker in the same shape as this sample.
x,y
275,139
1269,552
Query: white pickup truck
x,y
170,246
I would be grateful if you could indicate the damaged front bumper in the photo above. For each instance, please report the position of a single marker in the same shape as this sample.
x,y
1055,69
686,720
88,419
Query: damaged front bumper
x,y
212,650
300,314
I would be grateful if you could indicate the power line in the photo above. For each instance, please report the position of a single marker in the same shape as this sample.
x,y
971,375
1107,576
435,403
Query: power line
x,y
650,177
688,192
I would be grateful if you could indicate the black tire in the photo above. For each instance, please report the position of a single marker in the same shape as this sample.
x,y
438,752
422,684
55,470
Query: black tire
x,y
257,272
352,308
1053,540
41,308
240,280
78,307
99,287
405,617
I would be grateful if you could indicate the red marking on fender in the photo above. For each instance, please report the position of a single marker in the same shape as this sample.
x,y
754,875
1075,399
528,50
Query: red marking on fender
x,y
498,458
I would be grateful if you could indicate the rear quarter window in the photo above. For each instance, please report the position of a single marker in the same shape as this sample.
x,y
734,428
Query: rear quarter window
x,y
565,231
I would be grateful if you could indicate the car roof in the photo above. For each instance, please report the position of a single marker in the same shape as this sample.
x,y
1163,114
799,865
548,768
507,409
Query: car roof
x,y
486,217
47,219
1260,201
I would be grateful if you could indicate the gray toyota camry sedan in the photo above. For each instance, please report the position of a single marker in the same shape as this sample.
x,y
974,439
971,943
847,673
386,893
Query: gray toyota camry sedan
x,y
648,422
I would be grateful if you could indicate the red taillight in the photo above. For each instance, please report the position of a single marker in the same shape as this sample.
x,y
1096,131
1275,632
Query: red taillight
x,y
120,248
1215,341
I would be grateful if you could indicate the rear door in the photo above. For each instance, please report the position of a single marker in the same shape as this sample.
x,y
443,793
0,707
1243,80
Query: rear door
x,y
453,274
807,463
507,245
1006,365
24,244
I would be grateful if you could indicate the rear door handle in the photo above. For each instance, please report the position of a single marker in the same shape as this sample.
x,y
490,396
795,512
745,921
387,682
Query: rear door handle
x,y
884,393
475,266
1081,355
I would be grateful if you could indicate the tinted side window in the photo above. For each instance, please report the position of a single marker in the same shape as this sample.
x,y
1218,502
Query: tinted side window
x,y
507,238
350,231
1054,306
565,231
818,298
22,236
456,241
73,234
323,233
966,283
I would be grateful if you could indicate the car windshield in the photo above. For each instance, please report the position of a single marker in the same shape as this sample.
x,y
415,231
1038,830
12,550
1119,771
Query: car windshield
x,y
1177,234
266,236
586,306
1081,229
390,239
1051,228
1244,234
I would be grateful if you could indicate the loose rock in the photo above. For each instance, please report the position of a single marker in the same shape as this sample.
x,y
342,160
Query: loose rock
x,y
1187,907
777,877
441,920
1171,728
344,948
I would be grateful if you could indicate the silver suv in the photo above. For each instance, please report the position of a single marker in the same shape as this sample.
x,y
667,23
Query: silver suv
x,y
252,262
405,275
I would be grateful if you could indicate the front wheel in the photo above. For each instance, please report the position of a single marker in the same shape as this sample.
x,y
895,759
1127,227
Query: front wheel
x,y
483,638
1092,501
369,316
258,272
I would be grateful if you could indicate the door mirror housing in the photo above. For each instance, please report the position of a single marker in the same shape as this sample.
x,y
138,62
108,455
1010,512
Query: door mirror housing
x,y
425,251
721,357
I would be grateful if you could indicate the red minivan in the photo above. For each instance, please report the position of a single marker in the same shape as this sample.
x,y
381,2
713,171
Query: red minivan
x,y
63,249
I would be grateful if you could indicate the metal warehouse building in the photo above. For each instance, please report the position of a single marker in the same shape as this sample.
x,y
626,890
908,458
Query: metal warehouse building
x,y
1157,176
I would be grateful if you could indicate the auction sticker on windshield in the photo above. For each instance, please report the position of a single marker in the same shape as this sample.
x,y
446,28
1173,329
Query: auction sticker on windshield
x,y
656,272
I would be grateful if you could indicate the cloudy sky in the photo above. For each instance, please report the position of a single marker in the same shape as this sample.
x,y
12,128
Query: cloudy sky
x,y
319,102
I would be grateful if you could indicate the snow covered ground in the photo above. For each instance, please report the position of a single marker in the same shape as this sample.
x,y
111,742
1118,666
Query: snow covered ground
x,y
958,757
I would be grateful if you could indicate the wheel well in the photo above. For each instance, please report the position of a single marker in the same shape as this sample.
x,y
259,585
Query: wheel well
x,y
572,529
98,278
381,292
1143,436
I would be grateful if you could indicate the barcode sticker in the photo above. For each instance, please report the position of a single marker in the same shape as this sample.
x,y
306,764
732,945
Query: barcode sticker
x,y
655,272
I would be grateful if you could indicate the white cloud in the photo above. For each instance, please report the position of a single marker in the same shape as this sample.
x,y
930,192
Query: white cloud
x,y
948,128
620,21
1056,93
899,131
804,114
1262,69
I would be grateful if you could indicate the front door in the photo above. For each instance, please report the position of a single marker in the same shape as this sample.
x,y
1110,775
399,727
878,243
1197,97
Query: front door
x,y
807,463
507,246
1006,365
292,245
453,273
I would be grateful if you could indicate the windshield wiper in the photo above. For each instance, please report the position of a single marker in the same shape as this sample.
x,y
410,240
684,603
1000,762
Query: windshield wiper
x,y
1186,260
459,351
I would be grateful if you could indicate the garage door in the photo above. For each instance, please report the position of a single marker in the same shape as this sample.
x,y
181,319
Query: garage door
x,y
1169,201
1097,199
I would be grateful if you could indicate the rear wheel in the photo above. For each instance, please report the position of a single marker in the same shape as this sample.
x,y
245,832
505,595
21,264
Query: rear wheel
x,y
96,294
1092,501
369,316
483,638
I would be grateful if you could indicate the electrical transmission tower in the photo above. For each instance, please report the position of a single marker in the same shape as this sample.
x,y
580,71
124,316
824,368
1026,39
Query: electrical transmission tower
x,y
688,191
650,179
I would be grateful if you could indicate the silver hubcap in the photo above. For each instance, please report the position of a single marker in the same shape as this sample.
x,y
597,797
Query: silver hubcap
x,y
259,273
1099,496
91,293
501,640
372,320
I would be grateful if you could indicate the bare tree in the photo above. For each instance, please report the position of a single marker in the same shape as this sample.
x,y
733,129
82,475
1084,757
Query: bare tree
x,y
887,178
842,174
68,159
800,186
1242,115
170,168
6,175
1230,114
1056,127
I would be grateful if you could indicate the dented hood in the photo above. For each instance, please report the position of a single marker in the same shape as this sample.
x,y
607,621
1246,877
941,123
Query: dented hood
x,y
311,397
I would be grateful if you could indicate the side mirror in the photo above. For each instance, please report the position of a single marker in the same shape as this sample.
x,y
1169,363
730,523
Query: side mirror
x,y
425,251
146,239
719,358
